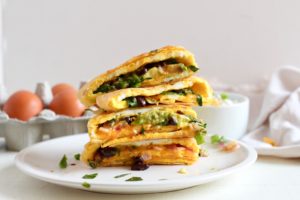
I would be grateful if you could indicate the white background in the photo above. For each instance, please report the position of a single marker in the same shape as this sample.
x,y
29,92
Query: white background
x,y
237,41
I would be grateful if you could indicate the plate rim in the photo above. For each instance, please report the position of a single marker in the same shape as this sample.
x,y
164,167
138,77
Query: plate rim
x,y
192,180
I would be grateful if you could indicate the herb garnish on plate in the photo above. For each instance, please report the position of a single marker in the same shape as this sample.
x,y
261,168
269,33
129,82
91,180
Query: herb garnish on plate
x,y
135,178
90,176
86,185
217,139
122,175
77,156
63,162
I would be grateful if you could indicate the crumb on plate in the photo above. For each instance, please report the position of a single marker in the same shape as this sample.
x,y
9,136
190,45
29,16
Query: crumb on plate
x,y
182,171
269,141
203,153
230,146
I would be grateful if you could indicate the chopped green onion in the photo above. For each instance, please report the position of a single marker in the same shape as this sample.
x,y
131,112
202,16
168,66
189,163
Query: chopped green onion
x,y
134,80
121,175
90,176
199,100
104,88
216,139
86,185
92,164
224,96
183,67
77,156
142,130
193,68
63,162
123,81
121,84
135,178
199,137
132,102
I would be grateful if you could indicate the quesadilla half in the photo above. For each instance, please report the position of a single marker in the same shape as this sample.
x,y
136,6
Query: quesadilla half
x,y
190,91
165,65
162,134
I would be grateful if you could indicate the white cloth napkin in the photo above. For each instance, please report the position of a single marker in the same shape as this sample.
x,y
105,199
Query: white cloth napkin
x,y
279,117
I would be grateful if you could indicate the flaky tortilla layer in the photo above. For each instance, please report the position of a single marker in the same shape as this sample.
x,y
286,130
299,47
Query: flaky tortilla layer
x,y
186,132
88,98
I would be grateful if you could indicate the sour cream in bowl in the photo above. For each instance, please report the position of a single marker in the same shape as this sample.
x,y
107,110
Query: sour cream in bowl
x,y
228,116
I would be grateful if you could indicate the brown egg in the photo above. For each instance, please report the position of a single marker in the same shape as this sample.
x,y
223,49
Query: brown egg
x,y
23,105
67,103
61,87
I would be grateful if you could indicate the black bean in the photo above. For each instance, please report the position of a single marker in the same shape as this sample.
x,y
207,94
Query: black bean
x,y
141,101
107,152
172,121
98,157
139,164
179,112
142,71
129,120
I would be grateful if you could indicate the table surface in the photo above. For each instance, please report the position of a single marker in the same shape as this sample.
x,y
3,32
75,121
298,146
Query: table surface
x,y
269,178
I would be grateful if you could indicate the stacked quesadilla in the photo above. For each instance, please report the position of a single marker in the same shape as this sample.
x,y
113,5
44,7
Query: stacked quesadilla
x,y
144,115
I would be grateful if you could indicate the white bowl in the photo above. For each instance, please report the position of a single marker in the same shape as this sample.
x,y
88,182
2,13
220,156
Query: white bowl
x,y
228,120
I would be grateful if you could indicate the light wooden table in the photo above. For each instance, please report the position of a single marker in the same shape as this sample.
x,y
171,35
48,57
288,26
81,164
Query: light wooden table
x,y
268,178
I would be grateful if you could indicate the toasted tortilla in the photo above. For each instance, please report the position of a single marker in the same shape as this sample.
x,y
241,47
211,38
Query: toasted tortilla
x,y
114,101
87,95
163,151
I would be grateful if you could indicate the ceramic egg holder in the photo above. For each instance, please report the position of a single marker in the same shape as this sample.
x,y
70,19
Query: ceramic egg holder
x,y
19,134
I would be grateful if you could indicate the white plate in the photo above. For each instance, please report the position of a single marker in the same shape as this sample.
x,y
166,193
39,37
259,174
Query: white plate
x,y
41,161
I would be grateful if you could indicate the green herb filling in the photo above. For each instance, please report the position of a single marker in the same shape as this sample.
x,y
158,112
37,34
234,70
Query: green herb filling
x,y
136,78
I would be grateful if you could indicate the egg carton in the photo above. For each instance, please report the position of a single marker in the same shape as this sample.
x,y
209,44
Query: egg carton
x,y
19,134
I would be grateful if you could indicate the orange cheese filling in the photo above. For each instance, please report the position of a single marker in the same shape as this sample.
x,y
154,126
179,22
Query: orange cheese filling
x,y
122,129
151,154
